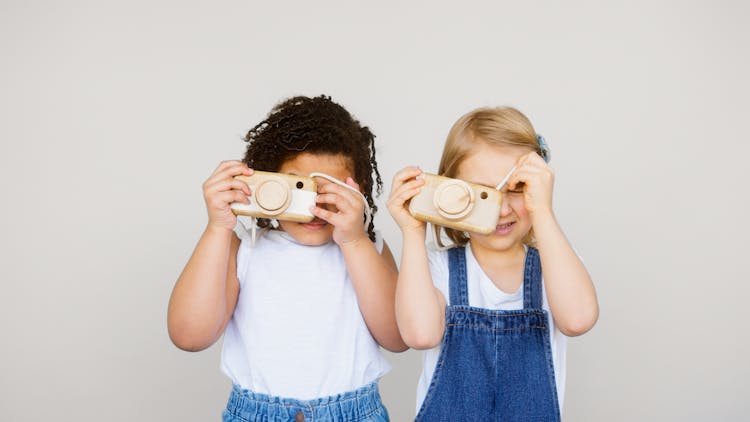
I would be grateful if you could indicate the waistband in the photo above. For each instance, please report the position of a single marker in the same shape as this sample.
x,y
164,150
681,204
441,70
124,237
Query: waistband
x,y
345,407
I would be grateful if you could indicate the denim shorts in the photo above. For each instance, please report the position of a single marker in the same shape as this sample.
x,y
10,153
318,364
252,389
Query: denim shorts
x,y
362,405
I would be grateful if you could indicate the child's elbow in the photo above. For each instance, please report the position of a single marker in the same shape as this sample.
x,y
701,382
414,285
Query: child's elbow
x,y
187,343
187,337
422,339
580,324
396,347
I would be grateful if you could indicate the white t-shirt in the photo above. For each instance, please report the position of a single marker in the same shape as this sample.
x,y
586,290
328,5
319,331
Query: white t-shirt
x,y
297,331
484,294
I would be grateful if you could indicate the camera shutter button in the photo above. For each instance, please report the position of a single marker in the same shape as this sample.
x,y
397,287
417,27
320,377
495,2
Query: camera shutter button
x,y
454,199
273,196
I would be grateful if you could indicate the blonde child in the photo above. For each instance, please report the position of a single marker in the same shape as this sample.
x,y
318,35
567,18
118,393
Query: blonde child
x,y
305,306
493,312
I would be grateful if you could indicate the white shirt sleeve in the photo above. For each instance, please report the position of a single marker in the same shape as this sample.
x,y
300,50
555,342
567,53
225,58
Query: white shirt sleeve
x,y
438,261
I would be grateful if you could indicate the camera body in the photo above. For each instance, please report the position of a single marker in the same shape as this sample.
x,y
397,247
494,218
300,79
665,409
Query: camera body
x,y
281,196
457,204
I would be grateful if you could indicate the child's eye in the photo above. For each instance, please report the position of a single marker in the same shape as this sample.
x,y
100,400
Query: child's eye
x,y
518,189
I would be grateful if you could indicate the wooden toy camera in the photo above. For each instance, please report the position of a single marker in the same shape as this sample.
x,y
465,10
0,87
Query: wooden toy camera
x,y
457,204
281,196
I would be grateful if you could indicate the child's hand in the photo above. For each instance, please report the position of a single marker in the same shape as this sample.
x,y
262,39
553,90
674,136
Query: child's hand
x,y
221,189
536,179
405,186
347,213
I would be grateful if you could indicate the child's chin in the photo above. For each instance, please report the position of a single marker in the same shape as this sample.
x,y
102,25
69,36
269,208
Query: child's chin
x,y
307,236
496,242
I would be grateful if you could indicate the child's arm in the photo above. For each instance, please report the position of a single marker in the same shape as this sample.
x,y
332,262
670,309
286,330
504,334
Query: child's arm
x,y
204,297
420,306
373,274
570,290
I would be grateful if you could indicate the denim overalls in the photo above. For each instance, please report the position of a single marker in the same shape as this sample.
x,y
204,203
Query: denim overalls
x,y
494,365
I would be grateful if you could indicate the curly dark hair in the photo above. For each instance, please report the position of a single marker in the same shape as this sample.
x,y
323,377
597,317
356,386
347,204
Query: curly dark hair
x,y
314,125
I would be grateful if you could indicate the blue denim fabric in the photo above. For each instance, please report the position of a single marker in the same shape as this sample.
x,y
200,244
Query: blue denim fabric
x,y
362,405
494,365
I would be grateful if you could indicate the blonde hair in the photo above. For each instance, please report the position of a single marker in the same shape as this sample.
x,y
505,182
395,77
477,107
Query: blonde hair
x,y
502,126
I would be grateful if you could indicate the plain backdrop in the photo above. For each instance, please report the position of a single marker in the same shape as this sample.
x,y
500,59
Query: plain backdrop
x,y
112,114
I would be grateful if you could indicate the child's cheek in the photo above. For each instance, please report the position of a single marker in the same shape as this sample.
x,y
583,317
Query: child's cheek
x,y
516,202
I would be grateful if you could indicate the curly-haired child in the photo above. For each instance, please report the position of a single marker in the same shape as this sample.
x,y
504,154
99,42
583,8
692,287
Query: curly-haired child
x,y
305,307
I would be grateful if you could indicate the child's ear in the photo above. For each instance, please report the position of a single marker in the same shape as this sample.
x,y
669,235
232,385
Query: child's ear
x,y
349,181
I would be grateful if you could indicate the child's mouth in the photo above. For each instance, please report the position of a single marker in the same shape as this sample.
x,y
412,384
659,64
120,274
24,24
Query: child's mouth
x,y
316,224
505,228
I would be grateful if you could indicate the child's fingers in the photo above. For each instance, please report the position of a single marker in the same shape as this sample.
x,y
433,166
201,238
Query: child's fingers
x,y
400,200
406,173
403,175
224,164
519,177
408,190
534,166
227,164
531,176
229,184
328,216
532,159
234,170
415,183
525,163
412,184
242,186
531,168
228,172
404,193
332,188
336,200
397,204
522,160
222,199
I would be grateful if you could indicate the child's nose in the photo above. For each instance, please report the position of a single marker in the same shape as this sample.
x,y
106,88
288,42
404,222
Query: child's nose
x,y
505,208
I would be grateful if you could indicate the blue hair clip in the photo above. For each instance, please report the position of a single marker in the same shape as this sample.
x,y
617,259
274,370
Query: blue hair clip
x,y
544,148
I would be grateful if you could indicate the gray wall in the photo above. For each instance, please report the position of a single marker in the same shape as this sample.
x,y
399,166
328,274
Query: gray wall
x,y
114,113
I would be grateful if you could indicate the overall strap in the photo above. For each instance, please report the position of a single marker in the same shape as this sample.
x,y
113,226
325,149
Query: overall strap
x,y
532,280
457,277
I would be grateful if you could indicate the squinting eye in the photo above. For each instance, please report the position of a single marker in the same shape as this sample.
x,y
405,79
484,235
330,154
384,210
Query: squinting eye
x,y
518,188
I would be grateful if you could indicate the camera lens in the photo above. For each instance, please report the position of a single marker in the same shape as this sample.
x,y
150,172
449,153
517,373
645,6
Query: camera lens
x,y
453,199
299,185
